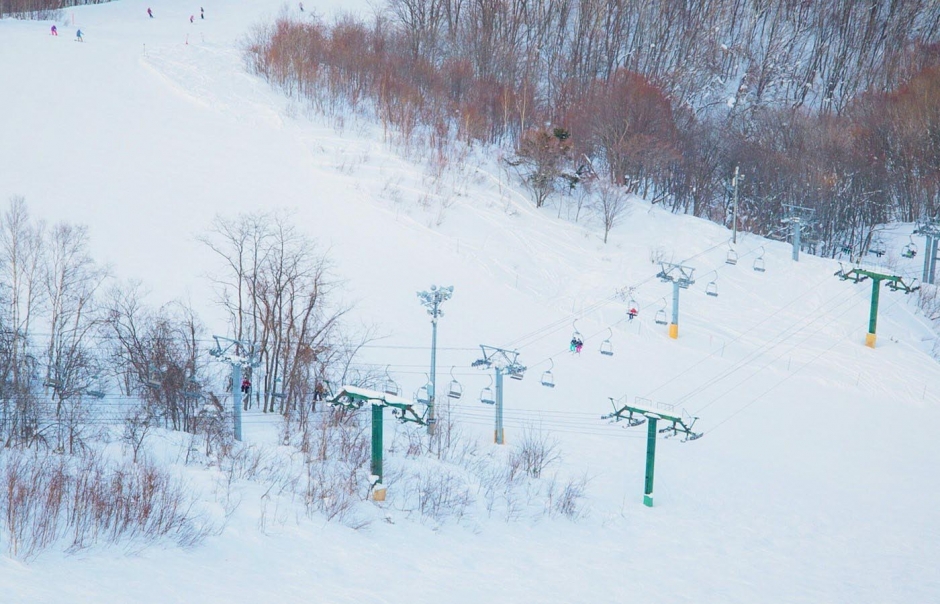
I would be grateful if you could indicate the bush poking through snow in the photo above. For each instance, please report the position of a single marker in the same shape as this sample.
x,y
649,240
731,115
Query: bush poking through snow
x,y
83,501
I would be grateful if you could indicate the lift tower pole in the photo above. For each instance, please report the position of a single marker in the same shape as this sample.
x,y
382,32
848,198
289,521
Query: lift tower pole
x,y
636,415
681,277
504,362
238,354
931,231
797,217
896,283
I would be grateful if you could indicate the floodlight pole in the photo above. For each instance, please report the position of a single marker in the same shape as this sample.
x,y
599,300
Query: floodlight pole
x,y
432,301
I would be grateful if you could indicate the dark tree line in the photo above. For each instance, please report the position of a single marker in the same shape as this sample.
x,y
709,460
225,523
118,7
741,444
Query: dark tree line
x,y
825,104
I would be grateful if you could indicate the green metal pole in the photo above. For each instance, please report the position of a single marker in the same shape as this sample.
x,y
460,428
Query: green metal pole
x,y
873,317
650,462
377,442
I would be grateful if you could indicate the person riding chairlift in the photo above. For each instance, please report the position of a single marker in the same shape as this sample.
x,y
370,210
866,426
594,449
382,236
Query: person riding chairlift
x,y
246,385
632,313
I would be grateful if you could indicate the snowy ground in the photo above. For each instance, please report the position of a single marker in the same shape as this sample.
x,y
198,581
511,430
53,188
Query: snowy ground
x,y
816,480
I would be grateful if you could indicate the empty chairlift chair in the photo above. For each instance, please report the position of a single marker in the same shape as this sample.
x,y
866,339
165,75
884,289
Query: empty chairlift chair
x,y
423,395
732,257
712,288
548,379
487,396
390,386
607,349
661,315
455,390
759,261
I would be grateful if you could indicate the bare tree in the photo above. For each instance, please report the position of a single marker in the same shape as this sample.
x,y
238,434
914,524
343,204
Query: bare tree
x,y
611,204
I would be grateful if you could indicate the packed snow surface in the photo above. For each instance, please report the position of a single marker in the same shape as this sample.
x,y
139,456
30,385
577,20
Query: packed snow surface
x,y
817,476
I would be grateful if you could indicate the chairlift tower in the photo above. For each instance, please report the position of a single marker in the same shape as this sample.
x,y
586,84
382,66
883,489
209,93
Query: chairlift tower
x,y
738,177
931,231
797,217
352,397
432,300
234,353
636,415
502,362
681,277
895,282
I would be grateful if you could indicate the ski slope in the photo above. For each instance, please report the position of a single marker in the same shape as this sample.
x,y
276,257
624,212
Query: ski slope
x,y
817,477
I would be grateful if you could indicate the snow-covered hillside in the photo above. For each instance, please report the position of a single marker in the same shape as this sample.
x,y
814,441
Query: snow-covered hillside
x,y
815,481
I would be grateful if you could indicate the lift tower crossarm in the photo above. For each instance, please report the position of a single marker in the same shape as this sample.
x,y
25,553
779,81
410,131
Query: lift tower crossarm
x,y
895,282
636,416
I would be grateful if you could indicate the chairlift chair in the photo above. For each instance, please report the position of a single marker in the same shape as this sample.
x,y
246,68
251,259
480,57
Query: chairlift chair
x,y
607,349
391,386
910,250
759,261
732,257
423,394
712,288
548,379
455,390
487,396
660,318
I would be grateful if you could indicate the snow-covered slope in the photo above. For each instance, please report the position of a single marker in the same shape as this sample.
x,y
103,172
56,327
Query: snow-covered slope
x,y
816,480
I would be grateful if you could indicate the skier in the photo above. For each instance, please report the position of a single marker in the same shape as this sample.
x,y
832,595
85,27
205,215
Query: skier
x,y
54,31
573,345
632,312
150,13
192,18
78,36
246,385
578,345
202,13
301,7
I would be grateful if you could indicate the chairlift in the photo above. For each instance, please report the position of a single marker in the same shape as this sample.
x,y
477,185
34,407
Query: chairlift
x,y
877,248
712,288
607,348
487,396
391,386
759,261
732,257
661,315
576,336
423,394
455,390
910,250
516,375
548,379
633,309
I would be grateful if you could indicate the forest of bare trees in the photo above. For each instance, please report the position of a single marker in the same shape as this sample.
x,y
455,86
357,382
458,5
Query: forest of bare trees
x,y
78,351
825,104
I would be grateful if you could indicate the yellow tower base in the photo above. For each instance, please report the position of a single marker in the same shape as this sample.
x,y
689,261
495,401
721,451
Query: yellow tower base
x,y
379,493
870,340
673,331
